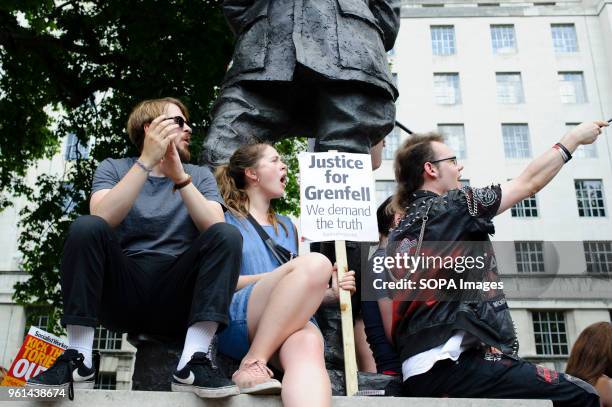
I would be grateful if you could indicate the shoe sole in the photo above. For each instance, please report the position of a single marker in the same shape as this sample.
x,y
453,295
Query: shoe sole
x,y
207,392
75,385
263,388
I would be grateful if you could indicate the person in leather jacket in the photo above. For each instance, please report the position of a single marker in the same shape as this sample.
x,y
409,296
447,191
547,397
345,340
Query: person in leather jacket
x,y
457,342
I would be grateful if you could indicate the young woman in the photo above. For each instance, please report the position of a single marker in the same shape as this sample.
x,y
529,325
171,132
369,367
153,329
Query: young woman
x,y
591,359
271,311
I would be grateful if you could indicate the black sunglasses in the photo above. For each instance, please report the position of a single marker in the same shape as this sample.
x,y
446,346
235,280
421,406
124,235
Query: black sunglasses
x,y
453,159
180,121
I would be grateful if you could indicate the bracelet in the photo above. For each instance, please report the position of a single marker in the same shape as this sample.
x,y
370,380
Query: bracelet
x,y
182,184
144,167
563,151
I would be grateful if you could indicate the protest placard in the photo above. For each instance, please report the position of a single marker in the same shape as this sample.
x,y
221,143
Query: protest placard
x,y
337,203
337,197
38,352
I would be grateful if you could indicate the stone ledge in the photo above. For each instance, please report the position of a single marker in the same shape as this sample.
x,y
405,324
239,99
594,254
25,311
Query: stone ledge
x,y
114,398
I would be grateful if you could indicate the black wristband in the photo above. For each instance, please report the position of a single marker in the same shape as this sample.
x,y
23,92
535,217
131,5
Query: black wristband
x,y
565,150
182,184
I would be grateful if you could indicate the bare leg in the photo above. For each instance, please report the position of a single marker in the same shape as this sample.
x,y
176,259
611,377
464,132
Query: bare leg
x,y
306,382
283,302
365,358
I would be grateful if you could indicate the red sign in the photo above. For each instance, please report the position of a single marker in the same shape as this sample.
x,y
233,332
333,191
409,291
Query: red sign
x,y
38,352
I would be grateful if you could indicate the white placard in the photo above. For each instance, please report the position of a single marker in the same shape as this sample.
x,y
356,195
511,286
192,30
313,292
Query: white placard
x,y
337,197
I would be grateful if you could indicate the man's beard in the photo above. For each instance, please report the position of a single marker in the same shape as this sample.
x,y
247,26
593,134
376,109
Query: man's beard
x,y
184,154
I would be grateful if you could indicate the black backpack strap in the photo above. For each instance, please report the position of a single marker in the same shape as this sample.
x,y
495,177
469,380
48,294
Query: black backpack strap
x,y
270,244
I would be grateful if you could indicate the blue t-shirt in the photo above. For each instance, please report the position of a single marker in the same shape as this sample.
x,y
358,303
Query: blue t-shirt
x,y
256,257
158,221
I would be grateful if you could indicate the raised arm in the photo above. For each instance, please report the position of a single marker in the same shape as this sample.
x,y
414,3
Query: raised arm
x,y
114,204
544,168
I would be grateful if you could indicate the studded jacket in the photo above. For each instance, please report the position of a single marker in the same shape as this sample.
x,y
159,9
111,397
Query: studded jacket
x,y
456,224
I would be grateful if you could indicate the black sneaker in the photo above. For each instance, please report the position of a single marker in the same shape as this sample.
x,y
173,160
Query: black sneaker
x,y
67,371
199,376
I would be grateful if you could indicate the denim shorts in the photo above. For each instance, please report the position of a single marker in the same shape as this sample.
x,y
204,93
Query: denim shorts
x,y
233,341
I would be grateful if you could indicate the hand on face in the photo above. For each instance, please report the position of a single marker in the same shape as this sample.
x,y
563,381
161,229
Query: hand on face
x,y
158,135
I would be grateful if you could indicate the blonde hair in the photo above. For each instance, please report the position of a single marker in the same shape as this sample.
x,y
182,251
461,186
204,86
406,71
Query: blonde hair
x,y
145,112
232,183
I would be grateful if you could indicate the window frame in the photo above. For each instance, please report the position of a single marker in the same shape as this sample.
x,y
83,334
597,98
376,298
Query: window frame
x,y
441,88
589,210
498,32
460,144
512,149
547,347
524,252
564,44
509,92
443,40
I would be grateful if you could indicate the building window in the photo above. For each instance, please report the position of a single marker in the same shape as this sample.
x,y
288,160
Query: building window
x,y
384,189
564,38
464,182
443,39
41,322
503,39
589,195
583,150
509,88
550,332
527,208
454,137
106,340
529,257
392,142
74,149
516,140
598,256
446,88
571,87
106,381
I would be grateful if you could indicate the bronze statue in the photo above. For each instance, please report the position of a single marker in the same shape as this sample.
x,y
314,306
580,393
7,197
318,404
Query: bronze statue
x,y
313,68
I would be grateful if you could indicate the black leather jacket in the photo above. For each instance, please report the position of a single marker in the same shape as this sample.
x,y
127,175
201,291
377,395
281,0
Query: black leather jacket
x,y
428,319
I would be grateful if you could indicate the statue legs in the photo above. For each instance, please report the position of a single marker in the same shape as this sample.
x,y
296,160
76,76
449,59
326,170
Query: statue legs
x,y
244,113
347,116
352,117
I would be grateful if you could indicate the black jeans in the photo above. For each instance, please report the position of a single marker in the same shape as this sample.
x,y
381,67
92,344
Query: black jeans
x,y
150,293
473,376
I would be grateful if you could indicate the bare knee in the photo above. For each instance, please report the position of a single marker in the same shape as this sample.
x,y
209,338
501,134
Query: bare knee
x,y
305,344
316,270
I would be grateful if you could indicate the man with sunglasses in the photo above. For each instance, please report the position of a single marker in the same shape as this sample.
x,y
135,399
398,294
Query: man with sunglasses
x,y
154,256
455,341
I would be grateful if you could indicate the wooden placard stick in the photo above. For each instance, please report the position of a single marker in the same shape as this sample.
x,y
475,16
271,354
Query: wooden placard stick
x,y
346,315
